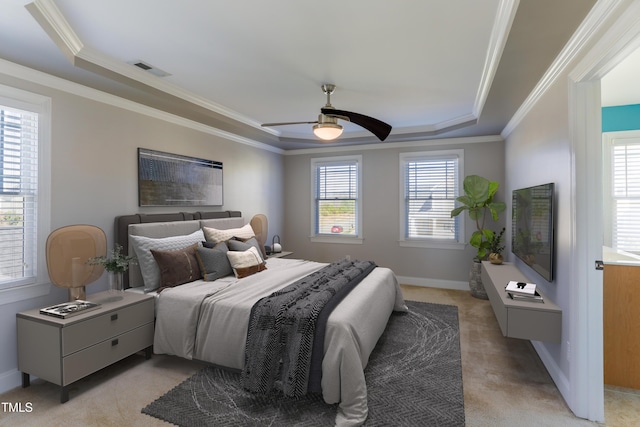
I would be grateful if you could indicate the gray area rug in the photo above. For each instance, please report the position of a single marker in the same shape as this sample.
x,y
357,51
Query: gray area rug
x,y
414,378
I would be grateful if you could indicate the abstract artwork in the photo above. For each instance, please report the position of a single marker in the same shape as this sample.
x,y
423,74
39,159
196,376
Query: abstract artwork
x,y
174,180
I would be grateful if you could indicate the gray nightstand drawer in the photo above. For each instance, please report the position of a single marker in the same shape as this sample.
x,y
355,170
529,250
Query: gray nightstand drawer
x,y
96,357
104,326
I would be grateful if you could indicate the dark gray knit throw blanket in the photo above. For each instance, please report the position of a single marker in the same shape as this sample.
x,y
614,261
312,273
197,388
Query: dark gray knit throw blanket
x,y
285,340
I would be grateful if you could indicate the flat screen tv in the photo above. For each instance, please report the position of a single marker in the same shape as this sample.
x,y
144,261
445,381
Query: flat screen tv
x,y
532,232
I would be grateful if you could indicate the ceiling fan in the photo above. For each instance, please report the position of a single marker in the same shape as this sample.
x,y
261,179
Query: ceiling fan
x,y
327,127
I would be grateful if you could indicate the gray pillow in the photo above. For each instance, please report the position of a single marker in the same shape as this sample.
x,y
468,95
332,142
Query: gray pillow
x,y
242,245
213,262
148,265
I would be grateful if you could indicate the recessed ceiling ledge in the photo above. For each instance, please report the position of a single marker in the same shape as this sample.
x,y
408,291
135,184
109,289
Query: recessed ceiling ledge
x,y
47,14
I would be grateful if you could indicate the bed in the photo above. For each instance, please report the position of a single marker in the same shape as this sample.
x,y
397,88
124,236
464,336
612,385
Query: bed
x,y
208,320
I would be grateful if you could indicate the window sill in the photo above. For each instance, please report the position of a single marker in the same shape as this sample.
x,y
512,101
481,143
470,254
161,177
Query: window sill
x,y
346,240
432,244
24,292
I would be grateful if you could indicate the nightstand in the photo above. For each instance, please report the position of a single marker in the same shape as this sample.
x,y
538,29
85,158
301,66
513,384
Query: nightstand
x,y
63,351
280,254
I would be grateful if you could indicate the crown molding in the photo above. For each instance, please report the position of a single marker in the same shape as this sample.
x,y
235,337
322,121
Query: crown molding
x,y
395,145
499,35
50,18
615,45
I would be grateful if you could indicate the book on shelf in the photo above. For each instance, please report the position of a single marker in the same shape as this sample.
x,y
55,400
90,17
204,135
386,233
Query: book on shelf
x,y
521,288
536,297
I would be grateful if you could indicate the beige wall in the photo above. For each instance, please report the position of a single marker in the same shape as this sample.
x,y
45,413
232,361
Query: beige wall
x,y
94,178
381,210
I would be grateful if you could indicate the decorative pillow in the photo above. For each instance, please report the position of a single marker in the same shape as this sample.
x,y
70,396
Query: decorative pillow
x,y
238,244
148,266
246,263
177,267
215,235
214,262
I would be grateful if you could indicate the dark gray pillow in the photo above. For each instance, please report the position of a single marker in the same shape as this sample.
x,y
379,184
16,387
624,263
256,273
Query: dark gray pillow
x,y
213,262
241,245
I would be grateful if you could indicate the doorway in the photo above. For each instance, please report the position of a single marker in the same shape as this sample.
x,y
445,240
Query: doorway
x,y
622,38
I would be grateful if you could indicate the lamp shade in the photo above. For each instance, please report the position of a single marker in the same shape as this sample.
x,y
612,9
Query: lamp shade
x,y
327,131
68,249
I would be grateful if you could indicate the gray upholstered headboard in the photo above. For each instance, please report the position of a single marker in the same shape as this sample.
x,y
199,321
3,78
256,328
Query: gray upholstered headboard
x,y
172,224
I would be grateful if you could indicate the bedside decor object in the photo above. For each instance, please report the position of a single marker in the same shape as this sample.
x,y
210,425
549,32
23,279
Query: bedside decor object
x,y
116,264
68,249
276,247
496,247
69,309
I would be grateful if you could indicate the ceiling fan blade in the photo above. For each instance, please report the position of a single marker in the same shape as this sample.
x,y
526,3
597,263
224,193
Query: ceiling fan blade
x,y
375,126
288,123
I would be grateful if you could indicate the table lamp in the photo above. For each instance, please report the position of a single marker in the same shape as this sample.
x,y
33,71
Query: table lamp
x,y
68,249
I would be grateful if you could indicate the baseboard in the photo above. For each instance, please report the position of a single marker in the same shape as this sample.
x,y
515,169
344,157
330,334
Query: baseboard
x,y
433,283
558,377
10,380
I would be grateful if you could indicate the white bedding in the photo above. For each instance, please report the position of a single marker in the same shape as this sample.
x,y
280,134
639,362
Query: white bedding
x,y
208,321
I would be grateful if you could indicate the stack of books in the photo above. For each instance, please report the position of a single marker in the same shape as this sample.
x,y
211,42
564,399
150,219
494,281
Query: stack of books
x,y
521,291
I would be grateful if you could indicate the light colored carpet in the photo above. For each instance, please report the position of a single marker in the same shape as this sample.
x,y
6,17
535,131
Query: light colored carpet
x,y
495,370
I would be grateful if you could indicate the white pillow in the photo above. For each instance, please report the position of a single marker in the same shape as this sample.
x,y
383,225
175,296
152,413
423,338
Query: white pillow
x,y
247,262
215,235
148,266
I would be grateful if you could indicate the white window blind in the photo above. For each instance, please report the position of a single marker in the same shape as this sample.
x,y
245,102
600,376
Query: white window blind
x,y
431,185
18,195
625,159
336,197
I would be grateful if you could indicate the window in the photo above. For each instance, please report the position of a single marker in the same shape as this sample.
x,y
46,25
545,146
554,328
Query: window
x,y
430,182
24,127
336,199
623,194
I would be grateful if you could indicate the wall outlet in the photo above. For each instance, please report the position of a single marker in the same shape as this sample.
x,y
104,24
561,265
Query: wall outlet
x,y
348,257
568,351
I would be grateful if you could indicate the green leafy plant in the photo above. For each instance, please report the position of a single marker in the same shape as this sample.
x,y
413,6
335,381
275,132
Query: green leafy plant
x,y
116,263
478,202
495,243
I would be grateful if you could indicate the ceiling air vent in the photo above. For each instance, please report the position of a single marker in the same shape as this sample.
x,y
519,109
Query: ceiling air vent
x,y
149,68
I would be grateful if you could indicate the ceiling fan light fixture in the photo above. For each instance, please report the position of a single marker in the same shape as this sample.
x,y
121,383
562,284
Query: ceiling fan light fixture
x,y
327,128
327,131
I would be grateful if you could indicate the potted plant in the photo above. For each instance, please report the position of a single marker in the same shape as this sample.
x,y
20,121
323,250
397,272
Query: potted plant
x,y
478,202
496,247
116,264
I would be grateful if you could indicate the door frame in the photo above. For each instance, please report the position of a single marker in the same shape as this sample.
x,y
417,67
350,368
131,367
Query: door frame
x,y
585,127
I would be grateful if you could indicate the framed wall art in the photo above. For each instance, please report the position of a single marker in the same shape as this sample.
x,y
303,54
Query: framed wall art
x,y
166,179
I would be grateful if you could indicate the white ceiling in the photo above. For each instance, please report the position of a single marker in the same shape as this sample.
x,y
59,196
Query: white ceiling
x,y
427,67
